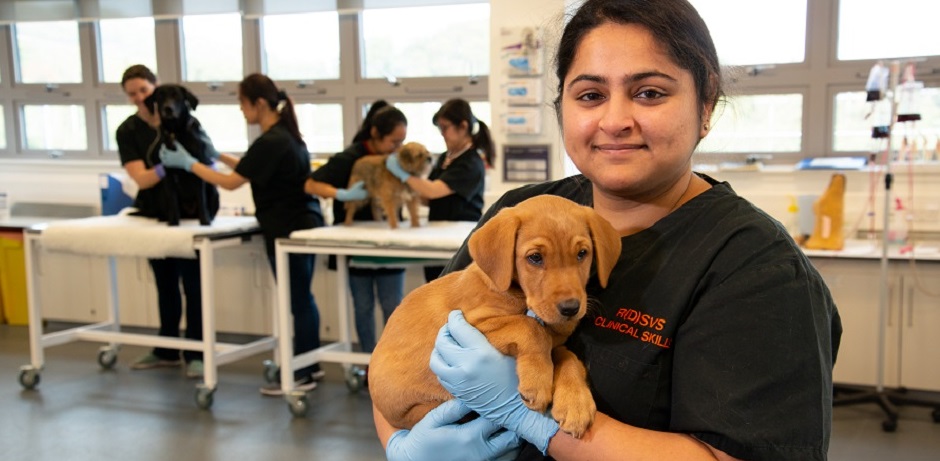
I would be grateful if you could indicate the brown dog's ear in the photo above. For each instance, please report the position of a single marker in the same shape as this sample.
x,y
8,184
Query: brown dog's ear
x,y
191,100
606,245
493,247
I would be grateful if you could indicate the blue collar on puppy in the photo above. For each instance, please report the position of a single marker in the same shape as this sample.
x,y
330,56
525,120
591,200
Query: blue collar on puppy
x,y
532,314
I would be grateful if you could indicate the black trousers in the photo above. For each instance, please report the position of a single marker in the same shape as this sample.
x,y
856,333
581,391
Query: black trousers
x,y
168,273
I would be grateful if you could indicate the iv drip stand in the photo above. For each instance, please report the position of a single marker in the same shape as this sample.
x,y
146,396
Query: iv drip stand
x,y
887,399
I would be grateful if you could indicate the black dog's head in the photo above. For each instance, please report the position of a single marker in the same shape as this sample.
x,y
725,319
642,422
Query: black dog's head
x,y
172,103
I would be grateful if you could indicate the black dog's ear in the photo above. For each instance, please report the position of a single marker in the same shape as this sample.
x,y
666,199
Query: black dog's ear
x,y
150,100
191,99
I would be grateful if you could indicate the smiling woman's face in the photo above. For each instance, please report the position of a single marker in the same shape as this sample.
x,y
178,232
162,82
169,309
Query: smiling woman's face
x,y
629,114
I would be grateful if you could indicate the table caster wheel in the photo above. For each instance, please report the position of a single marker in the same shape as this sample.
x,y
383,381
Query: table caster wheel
x,y
355,378
889,425
29,378
204,397
107,357
271,371
298,405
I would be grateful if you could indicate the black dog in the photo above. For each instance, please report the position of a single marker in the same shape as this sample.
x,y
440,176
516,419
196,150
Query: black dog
x,y
183,195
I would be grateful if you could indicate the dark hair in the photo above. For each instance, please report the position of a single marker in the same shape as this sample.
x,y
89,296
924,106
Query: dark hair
x,y
260,86
365,130
138,71
675,24
457,111
384,119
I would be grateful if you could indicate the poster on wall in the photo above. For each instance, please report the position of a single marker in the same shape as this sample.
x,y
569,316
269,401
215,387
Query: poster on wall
x,y
522,51
526,163
523,92
521,120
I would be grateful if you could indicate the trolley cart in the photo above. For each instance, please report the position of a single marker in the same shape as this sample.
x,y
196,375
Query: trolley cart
x,y
433,241
114,236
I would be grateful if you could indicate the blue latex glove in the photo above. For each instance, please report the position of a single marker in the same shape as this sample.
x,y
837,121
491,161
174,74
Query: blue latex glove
x,y
211,151
471,369
391,162
179,158
357,191
438,438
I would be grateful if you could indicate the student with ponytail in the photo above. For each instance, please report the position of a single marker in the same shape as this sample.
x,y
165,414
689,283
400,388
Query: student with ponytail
x,y
276,164
454,189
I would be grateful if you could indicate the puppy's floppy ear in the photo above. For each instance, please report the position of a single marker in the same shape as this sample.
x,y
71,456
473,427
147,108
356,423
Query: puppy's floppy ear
x,y
191,100
493,247
606,245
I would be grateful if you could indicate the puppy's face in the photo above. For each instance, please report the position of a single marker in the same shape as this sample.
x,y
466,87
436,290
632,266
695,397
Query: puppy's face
x,y
171,102
414,157
547,245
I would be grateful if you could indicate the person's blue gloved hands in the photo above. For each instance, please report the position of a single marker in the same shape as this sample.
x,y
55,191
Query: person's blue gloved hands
x,y
471,369
357,191
437,438
211,151
178,158
394,167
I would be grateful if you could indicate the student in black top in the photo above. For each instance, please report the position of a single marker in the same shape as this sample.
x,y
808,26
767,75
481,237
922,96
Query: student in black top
x,y
137,140
276,164
454,189
382,132
715,337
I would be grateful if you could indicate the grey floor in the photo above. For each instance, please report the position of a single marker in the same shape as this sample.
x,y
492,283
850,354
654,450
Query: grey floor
x,y
79,412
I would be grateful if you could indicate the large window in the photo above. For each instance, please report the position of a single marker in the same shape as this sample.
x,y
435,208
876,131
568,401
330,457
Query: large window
x,y
872,29
427,41
48,52
114,115
3,131
55,127
757,124
773,33
420,122
212,48
321,126
854,119
301,46
225,125
125,42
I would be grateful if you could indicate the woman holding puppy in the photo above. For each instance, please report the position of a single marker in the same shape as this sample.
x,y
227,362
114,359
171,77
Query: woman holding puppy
x,y
735,331
382,132
454,189
136,137
276,164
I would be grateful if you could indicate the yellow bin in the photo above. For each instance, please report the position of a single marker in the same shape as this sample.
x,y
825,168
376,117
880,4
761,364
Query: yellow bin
x,y
13,278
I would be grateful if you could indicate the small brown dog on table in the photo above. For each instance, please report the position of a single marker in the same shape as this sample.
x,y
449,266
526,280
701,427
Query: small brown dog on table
x,y
534,256
386,192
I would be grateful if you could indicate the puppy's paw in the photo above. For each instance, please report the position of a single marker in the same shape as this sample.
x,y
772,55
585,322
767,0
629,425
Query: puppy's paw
x,y
536,390
574,410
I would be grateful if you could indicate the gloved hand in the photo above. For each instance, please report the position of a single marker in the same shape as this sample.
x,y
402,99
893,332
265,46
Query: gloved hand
x,y
357,191
480,376
391,162
437,437
179,158
211,151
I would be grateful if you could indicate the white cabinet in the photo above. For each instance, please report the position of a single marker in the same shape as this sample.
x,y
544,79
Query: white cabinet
x,y
919,321
74,288
912,346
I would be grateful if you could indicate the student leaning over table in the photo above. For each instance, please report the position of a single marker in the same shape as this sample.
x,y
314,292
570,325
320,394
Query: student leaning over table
x,y
746,332
276,164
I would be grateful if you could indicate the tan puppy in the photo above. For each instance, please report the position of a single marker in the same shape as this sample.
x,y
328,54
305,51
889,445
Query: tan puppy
x,y
386,192
536,255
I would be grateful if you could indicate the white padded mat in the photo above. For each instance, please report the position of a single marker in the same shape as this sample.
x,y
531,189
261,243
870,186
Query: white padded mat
x,y
443,235
136,236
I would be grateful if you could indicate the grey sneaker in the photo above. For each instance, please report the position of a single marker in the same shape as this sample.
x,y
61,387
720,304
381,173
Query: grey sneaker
x,y
274,389
194,369
148,361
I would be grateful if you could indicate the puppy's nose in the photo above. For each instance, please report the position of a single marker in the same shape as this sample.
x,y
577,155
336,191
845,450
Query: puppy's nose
x,y
569,307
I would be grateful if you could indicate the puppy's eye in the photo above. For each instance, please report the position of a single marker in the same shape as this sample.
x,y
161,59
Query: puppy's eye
x,y
582,254
535,258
